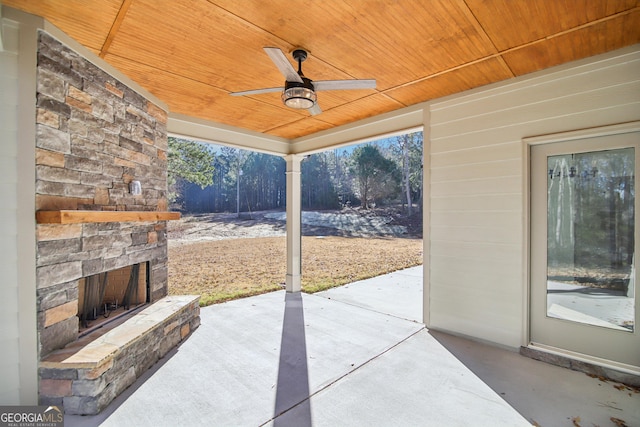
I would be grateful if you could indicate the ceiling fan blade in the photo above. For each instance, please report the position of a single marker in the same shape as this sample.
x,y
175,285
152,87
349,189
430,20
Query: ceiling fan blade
x,y
344,84
257,91
315,110
285,67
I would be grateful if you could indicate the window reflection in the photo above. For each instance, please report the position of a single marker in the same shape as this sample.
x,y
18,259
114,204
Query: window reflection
x,y
590,238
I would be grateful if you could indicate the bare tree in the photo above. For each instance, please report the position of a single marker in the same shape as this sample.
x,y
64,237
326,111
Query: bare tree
x,y
403,140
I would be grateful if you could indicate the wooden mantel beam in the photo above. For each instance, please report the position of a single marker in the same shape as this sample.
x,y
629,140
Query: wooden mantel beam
x,y
78,217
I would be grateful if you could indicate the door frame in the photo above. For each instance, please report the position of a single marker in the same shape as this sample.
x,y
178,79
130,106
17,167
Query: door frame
x,y
527,144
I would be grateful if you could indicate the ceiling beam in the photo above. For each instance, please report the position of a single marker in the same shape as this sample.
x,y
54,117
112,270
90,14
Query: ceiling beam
x,y
216,133
409,119
115,27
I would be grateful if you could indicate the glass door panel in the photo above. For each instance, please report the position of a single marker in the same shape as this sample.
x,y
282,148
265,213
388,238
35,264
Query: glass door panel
x,y
590,238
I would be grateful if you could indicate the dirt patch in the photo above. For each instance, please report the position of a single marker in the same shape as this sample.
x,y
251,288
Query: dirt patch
x,y
223,257
221,226
387,222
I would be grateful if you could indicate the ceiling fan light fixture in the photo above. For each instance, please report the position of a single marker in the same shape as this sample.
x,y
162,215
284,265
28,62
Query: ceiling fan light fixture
x,y
299,98
299,95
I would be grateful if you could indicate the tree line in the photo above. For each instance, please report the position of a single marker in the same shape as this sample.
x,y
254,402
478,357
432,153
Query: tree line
x,y
205,178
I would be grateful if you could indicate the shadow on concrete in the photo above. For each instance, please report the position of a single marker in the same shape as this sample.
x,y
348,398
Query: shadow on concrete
x,y
292,388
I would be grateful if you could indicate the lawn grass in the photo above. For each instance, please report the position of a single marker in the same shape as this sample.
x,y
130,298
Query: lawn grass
x,y
223,270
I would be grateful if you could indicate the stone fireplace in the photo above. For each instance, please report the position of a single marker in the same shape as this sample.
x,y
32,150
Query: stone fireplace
x,y
101,248
94,136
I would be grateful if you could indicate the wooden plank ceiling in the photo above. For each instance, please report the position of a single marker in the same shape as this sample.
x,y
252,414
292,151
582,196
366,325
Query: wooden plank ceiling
x,y
193,53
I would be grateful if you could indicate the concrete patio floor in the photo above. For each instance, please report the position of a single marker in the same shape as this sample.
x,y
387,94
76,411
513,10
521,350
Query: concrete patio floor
x,y
351,356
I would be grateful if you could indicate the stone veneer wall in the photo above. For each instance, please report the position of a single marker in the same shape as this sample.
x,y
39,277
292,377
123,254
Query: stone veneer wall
x,y
94,136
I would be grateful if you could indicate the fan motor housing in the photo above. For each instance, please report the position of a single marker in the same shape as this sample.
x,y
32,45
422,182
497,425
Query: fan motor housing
x,y
299,95
306,83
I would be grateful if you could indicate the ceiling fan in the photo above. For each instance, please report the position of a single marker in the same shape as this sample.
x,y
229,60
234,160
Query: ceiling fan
x,y
299,92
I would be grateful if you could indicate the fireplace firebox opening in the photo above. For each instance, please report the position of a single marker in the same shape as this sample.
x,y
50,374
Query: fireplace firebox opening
x,y
107,296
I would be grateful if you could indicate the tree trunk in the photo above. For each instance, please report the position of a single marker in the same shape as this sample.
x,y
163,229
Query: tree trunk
x,y
405,172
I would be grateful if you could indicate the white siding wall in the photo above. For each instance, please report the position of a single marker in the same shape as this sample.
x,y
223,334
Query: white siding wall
x,y
9,333
477,280
18,355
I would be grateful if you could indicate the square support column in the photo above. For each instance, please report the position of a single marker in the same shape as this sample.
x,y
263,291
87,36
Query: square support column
x,y
294,223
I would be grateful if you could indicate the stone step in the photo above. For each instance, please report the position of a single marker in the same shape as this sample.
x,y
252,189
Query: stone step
x,y
85,376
